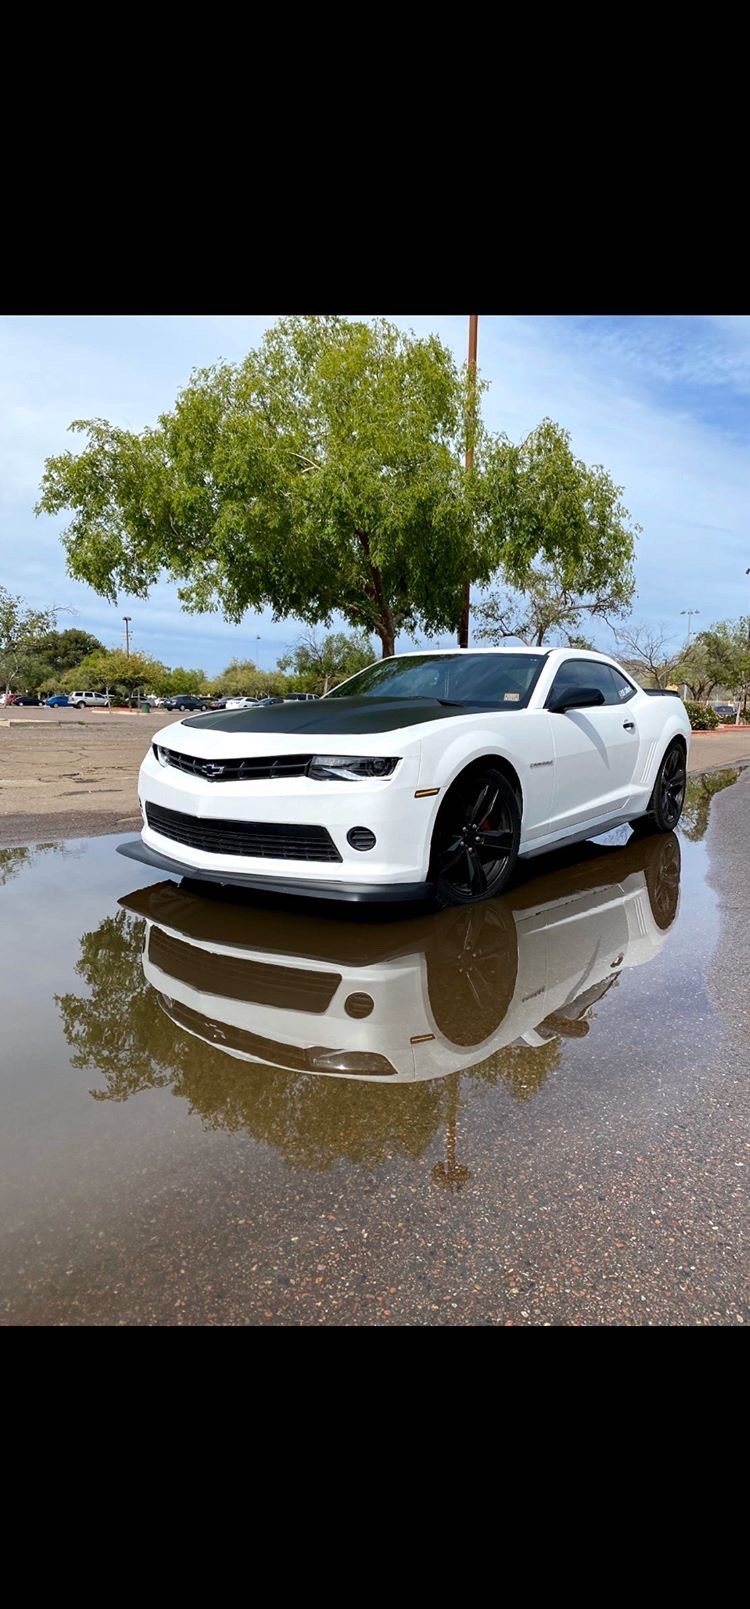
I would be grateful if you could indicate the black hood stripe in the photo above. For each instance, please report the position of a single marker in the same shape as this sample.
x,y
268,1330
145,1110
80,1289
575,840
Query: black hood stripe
x,y
335,717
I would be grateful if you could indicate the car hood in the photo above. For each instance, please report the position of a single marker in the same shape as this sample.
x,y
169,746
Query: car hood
x,y
336,717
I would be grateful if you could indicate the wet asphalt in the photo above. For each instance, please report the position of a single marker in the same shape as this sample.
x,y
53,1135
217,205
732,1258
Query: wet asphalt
x,y
535,1113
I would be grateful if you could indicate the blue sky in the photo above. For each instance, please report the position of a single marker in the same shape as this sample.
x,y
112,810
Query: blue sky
x,y
663,403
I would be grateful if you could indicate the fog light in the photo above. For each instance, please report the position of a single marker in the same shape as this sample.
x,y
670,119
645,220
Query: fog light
x,y
361,838
358,1005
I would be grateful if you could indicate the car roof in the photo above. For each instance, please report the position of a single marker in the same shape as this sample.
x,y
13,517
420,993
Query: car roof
x,y
513,648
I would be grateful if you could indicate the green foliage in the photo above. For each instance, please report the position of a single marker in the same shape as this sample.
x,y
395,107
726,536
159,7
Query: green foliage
x,y
546,606
698,795
325,473
317,666
236,681
118,1028
178,680
63,650
702,717
113,668
243,679
20,630
726,650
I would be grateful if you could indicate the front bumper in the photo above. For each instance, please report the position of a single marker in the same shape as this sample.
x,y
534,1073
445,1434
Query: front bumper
x,y
358,893
395,868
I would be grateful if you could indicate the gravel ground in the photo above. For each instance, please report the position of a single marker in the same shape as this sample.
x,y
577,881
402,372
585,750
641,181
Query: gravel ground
x,y
64,774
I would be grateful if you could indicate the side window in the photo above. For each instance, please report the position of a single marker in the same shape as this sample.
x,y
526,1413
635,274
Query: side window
x,y
585,673
623,687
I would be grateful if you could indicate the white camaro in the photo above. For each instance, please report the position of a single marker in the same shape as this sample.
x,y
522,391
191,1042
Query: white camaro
x,y
425,776
408,1001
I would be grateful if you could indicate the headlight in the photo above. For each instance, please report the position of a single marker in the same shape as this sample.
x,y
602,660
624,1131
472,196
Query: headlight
x,y
348,767
162,755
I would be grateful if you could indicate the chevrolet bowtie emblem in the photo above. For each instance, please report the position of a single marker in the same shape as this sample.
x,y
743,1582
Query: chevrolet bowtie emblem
x,y
213,770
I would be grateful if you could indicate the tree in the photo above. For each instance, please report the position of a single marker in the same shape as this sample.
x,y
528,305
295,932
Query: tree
x,y
179,680
63,650
20,628
119,1028
325,473
113,668
317,665
651,662
726,646
556,600
696,670
238,678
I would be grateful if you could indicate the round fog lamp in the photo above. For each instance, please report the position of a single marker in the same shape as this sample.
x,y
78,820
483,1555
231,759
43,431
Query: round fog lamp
x,y
361,838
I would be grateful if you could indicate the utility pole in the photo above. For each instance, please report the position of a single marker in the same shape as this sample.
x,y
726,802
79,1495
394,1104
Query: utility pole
x,y
471,380
128,620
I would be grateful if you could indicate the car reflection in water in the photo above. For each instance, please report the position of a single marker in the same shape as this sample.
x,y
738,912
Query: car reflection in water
x,y
404,1002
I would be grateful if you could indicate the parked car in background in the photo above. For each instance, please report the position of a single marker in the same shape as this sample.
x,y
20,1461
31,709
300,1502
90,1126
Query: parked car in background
x,y
58,701
298,698
186,701
725,712
240,703
23,698
426,776
89,701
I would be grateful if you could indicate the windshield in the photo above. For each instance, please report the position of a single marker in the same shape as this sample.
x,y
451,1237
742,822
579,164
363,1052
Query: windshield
x,y
504,679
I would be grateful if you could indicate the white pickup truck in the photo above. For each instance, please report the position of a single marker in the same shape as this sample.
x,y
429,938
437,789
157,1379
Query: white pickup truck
x,y
89,701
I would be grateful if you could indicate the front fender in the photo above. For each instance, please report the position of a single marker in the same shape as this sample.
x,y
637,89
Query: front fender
x,y
445,754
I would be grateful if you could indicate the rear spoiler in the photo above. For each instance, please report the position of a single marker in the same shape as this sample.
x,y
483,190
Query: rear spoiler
x,y
660,692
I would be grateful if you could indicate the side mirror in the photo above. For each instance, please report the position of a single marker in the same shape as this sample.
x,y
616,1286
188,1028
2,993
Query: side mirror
x,y
576,698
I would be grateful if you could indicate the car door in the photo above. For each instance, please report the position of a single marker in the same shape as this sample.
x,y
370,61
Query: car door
x,y
595,749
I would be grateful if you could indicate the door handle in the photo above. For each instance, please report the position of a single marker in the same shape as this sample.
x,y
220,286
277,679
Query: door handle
x,y
628,726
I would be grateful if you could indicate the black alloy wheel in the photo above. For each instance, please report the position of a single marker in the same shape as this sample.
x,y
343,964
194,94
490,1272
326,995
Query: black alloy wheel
x,y
475,844
472,967
669,791
663,880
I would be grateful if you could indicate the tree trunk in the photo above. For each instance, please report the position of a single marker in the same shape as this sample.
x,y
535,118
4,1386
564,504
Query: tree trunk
x,y
385,625
387,635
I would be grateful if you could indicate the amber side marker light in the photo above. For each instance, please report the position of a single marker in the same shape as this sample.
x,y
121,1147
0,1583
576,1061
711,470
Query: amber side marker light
x,y
421,1039
425,793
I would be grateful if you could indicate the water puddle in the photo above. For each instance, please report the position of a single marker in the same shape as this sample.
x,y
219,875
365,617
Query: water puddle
x,y
275,1101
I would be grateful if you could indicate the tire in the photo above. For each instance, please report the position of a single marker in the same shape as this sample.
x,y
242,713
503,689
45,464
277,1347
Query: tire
x,y
668,797
662,872
472,968
476,838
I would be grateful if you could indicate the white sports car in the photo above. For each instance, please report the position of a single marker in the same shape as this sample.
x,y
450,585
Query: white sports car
x,y
424,776
408,1001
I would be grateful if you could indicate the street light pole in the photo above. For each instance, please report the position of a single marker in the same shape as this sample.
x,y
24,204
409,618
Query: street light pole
x,y
471,385
689,613
128,620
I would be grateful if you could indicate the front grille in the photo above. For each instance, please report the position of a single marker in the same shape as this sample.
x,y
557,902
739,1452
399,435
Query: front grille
x,y
240,978
266,840
272,768
315,1059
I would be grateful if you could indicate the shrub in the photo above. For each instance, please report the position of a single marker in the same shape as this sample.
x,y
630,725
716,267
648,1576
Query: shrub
x,y
702,719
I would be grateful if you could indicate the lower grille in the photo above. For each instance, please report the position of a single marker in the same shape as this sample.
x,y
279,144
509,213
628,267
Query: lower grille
x,y
265,840
235,977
